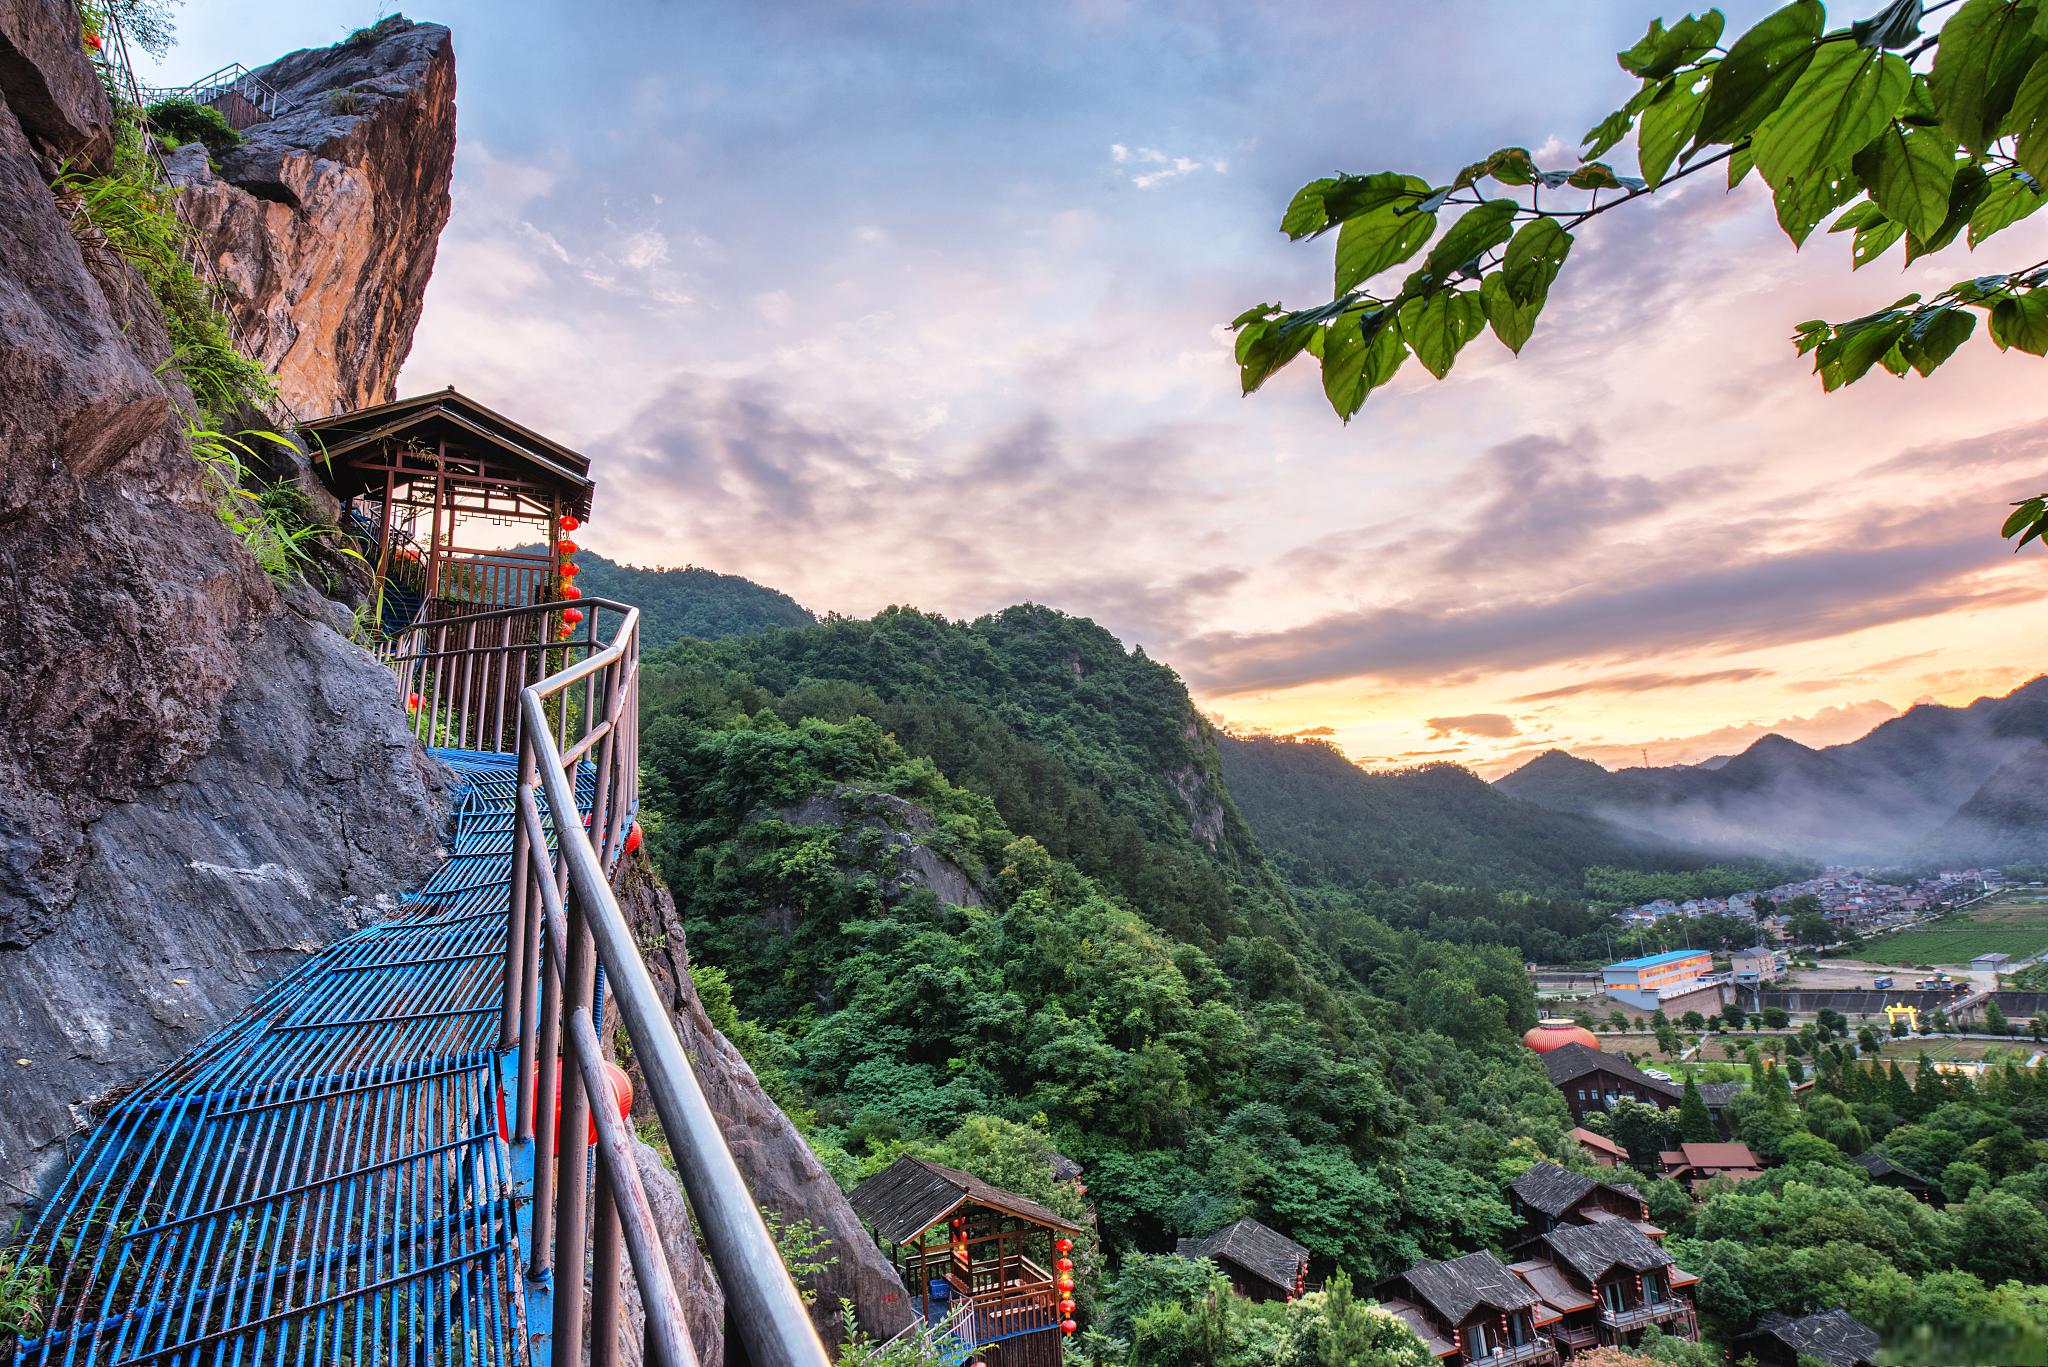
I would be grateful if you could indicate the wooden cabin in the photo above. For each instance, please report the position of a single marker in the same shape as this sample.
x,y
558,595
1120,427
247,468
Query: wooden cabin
x,y
421,478
1262,1263
982,1264
1472,1310
1547,1196
1605,1283
1593,1081
1835,1337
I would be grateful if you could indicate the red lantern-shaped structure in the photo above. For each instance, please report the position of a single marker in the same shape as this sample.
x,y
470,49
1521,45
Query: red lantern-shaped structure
x,y
633,837
570,569
1068,1327
572,615
570,591
565,546
569,523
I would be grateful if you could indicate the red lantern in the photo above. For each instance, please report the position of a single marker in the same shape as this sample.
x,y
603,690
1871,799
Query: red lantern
x,y
572,615
412,702
622,1092
633,838
1068,1327
1065,1264
1066,1307
1080,1189
92,40
570,569
571,591
569,522
1063,1245
566,546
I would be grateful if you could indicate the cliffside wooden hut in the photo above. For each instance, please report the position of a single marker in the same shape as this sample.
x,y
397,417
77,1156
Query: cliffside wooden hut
x,y
419,478
1261,1262
982,1263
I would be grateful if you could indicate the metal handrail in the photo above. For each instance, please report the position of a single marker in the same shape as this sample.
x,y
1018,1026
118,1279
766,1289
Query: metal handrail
x,y
577,738
214,84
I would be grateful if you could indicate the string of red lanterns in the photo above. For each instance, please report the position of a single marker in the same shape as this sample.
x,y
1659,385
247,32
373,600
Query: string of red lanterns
x,y
565,590
1063,1278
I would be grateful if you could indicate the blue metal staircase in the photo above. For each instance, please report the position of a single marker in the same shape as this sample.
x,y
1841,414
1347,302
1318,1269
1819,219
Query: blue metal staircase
x,y
323,1180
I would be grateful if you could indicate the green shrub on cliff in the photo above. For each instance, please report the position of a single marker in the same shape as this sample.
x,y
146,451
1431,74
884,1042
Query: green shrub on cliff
x,y
181,120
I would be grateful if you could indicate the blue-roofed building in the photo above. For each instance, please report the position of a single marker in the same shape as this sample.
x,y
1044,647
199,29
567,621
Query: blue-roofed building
x,y
1649,980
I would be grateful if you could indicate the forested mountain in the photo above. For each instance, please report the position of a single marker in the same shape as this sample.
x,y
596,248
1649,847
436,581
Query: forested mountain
x,y
977,888
1899,790
690,601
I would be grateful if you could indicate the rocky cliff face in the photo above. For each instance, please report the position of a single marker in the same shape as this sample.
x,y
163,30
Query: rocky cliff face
x,y
200,779
325,220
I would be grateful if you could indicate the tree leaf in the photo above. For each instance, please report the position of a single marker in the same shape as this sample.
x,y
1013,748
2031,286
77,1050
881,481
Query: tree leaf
x,y
1963,198
2021,322
1668,122
1355,195
1873,242
1896,25
1803,203
1534,258
1843,99
1763,65
1481,228
1662,51
1305,214
1909,172
1438,325
1513,320
1985,48
1594,175
1361,352
1740,163
2009,196
2029,122
1862,214
1263,347
1932,337
1370,243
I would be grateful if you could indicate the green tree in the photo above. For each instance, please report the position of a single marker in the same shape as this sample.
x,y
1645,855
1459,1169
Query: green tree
x,y
1867,1041
1693,1020
1335,1328
1776,1018
1734,1014
1695,1122
1994,1019
1896,134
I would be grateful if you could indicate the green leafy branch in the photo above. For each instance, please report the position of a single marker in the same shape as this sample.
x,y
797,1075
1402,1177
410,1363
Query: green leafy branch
x,y
1896,134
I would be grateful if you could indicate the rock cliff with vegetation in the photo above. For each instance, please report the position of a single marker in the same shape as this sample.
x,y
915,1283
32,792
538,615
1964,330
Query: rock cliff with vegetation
x,y
324,220
202,780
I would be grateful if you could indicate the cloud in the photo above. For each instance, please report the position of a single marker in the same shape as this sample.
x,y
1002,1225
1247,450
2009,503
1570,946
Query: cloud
x,y
1644,683
1547,497
1829,726
1314,731
1492,725
1796,596
1150,167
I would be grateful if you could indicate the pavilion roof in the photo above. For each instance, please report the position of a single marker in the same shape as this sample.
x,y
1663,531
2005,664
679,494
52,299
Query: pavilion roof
x,y
465,425
911,1195
1258,1249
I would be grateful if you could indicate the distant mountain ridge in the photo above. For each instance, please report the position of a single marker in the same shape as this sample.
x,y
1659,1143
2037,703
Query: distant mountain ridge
x,y
1323,819
1934,783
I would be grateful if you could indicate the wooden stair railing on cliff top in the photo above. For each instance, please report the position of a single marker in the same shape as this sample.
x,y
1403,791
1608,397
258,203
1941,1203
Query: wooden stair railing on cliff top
x,y
576,732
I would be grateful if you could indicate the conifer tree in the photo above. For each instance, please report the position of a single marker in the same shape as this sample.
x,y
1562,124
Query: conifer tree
x,y
1695,1122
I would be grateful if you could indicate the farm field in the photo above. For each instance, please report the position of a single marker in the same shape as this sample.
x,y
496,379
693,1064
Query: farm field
x,y
2016,924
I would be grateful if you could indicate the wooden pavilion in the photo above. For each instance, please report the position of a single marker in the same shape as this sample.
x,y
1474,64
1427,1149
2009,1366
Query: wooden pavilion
x,y
982,1263
418,476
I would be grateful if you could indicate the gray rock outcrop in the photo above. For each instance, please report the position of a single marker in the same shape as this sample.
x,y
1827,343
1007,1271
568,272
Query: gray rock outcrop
x,y
200,780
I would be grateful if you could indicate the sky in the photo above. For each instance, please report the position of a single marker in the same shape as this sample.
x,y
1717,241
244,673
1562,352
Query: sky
x,y
925,303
